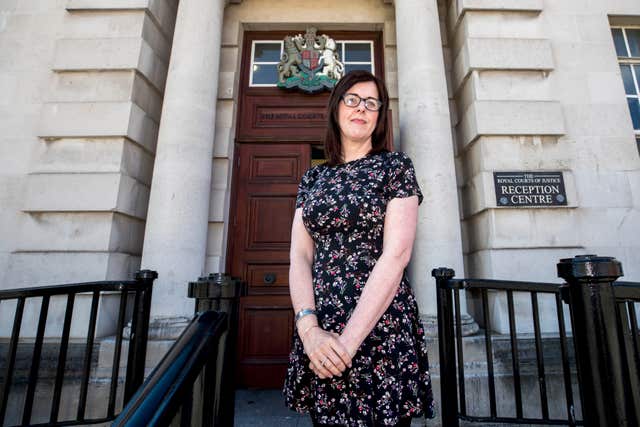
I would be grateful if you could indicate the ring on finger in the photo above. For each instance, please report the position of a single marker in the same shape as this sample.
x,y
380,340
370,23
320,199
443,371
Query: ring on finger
x,y
324,361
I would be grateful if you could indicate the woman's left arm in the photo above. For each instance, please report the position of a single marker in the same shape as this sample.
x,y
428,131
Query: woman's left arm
x,y
399,233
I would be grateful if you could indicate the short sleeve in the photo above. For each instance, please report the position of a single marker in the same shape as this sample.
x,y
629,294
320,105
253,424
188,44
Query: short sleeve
x,y
304,187
402,178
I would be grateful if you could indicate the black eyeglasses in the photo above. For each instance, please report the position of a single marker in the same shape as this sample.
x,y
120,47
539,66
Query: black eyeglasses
x,y
352,100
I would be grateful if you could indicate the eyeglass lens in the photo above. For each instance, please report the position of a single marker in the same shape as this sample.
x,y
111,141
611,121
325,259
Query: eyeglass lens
x,y
352,100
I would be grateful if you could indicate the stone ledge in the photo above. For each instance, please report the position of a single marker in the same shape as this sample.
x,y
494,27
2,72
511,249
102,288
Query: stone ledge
x,y
80,231
146,96
93,86
93,155
153,35
98,119
162,11
131,53
86,119
133,197
502,5
510,118
106,4
523,228
78,155
143,129
137,162
68,267
103,24
97,54
530,264
458,8
87,192
480,53
504,85
497,24
528,152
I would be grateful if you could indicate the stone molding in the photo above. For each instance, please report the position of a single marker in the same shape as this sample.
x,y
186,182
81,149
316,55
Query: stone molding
x,y
522,229
104,231
509,118
501,54
100,119
105,54
458,8
163,12
54,267
86,192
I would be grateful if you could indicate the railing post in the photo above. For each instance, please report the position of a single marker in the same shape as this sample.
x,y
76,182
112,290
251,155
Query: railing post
x,y
599,360
207,293
139,333
221,293
446,341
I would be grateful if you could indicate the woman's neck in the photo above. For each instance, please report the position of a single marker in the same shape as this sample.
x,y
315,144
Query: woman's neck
x,y
353,151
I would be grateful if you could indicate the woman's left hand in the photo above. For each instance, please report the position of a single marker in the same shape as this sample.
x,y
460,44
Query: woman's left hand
x,y
328,357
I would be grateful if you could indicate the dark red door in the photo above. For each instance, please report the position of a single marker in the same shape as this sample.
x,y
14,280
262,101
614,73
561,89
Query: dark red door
x,y
275,132
266,187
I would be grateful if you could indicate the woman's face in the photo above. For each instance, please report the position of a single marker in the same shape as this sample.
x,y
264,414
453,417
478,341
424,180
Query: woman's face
x,y
357,124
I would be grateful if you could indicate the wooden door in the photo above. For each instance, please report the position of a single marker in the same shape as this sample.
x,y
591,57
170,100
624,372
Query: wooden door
x,y
266,188
275,133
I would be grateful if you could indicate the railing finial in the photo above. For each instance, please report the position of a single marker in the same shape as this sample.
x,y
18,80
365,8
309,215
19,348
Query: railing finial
x,y
443,273
146,274
589,268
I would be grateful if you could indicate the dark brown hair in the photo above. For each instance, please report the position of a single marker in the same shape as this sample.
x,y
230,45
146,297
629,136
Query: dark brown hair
x,y
332,142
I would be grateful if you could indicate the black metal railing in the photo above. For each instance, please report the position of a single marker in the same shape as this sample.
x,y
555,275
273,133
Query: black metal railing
x,y
138,290
222,293
604,335
607,364
628,302
452,366
169,390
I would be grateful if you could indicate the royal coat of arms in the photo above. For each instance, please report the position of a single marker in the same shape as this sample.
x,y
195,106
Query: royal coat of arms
x,y
309,62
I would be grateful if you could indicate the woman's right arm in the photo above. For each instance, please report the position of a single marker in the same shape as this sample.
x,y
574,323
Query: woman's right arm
x,y
300,282
320,345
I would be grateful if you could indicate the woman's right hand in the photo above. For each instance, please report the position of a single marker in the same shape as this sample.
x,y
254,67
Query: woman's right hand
x,y
327,354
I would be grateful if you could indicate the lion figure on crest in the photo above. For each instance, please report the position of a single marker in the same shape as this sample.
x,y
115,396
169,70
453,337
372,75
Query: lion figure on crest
x,y
290,61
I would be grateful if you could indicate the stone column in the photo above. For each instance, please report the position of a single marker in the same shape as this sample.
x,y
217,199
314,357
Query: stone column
x,y
425,135
176,231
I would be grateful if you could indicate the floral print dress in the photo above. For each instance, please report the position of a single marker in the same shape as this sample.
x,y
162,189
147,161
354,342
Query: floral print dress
x,y
343,210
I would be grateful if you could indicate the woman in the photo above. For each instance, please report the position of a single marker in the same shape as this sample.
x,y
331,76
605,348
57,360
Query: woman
x,y
359,356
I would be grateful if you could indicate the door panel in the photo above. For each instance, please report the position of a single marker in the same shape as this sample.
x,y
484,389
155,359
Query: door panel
x,y
270,232
266,185
266,327
268,278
